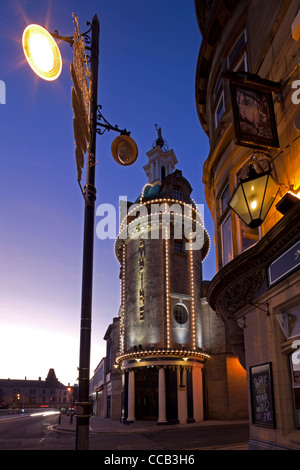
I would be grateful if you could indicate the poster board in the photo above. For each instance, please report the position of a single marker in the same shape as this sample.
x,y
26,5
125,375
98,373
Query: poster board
x,y
254,118
262,399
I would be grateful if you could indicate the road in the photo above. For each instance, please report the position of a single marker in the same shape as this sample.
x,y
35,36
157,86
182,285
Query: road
x,y
181,438
39,431
34,430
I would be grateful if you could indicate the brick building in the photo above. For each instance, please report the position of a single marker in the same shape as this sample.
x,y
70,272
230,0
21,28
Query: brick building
x,y
176,365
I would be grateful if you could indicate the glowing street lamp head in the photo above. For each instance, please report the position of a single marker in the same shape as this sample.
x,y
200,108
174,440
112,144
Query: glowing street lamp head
x,y
42,52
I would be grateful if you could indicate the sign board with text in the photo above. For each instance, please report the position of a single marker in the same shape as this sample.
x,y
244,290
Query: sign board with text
x,y
262,400
284,264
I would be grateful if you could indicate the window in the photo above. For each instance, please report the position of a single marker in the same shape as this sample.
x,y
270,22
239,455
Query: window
x,y
218,85
220,109
180,314
177,193
237,52
248,236
226,234
242,66
178,246
224,199
182,378
235,60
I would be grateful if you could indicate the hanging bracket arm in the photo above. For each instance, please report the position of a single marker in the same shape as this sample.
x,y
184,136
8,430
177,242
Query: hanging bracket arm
x,y
104,125
70,39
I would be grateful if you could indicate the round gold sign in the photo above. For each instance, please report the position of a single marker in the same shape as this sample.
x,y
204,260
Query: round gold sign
x,y
124,150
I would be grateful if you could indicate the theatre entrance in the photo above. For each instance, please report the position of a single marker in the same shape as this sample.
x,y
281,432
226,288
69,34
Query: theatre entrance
x,y
146,394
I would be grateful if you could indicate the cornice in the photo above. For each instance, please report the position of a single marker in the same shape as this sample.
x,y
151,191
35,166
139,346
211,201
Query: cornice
x,y
160,353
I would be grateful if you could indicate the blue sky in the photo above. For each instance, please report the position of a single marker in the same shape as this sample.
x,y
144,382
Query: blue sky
x,y
148,56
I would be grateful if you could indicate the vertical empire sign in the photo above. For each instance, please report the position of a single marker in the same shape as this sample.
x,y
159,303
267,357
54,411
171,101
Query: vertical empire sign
x,y
141,271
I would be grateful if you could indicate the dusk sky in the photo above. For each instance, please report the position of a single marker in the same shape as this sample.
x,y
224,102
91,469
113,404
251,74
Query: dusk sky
x,y
148,57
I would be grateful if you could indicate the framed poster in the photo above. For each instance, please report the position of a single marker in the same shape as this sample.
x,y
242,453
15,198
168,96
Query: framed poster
x,y
262,399
254,117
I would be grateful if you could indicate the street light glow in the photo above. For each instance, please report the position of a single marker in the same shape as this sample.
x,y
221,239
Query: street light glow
x,y
42,52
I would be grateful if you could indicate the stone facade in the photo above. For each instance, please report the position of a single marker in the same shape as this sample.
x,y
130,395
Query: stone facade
x,y
256,40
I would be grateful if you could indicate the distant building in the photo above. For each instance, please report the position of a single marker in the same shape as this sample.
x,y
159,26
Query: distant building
x,y
21,394
96,390
106,383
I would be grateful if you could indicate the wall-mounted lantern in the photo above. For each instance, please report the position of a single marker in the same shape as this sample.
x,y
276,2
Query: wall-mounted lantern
x,y
254,196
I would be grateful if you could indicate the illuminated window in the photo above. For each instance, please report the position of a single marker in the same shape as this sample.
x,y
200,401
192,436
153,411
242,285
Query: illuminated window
x,y
180,314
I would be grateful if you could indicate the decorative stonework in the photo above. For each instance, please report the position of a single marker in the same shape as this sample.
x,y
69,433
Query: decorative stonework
x,y
238,283
170,353
240,293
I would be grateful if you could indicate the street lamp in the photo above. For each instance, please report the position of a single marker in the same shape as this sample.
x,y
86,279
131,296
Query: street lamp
x,y
254,196
42,52
87,124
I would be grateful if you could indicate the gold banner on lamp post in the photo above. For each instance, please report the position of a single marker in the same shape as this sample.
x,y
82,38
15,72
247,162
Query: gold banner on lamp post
x,y
81,97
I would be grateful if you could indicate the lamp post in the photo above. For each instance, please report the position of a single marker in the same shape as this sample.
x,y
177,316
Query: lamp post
x,y
83,404
124,151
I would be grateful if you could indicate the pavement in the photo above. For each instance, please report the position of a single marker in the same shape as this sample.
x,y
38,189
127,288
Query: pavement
x,y
100,425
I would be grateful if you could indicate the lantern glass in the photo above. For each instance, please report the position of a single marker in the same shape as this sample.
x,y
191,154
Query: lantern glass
x,y
254,197
272,189
239,205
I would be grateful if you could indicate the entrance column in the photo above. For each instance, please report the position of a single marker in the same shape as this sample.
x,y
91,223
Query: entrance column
x,y
197,394
162,418
131,397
